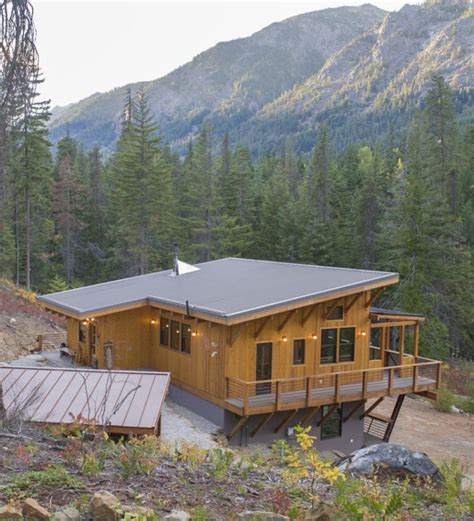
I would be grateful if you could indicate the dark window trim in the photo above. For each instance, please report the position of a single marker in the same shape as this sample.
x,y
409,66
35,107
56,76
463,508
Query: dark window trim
x,y
338,344
182,325
341,306
304,351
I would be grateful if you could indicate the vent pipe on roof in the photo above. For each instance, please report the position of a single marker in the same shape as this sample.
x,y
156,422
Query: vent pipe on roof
x,y
179,267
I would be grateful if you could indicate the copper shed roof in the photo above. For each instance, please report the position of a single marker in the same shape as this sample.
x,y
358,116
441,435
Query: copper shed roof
x,y
120,401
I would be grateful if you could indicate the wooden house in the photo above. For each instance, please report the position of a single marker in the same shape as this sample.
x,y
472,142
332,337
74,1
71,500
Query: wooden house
x,y
257,346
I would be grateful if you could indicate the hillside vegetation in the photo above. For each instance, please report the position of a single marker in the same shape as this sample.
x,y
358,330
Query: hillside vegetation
x,y
359,70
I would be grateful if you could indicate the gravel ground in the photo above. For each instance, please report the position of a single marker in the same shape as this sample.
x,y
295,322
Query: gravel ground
x,y
180,424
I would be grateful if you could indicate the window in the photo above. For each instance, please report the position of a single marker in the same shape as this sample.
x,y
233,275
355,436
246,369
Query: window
x,y
328,346
375,343
165,332
346,344
337,313
185,338
332,427
175,334
298,351
82,332
337,345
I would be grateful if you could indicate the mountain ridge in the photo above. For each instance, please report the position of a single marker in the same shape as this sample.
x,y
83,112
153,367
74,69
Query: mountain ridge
x,y
286,79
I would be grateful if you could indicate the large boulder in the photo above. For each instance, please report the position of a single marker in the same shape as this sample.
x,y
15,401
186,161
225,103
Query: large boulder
x,y
33,510
10,513
104,506
388,459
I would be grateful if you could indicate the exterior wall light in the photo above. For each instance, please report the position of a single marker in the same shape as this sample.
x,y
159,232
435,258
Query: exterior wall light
x,y
84,323
284,339
194,333
153,321
314,336
363,333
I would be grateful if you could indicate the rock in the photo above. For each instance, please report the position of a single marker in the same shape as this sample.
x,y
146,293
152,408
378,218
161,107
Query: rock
x,y
390,459
66,514
455,409
177,515
33,510
248,515
104,506
10,513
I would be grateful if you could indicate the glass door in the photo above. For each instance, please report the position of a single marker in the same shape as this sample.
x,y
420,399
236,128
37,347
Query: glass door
x,y
264,367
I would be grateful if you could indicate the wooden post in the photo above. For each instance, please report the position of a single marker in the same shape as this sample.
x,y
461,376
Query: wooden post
x,y
336,388
415,378
438,376
390,380
40,342
308,391
416,340
364,385
246,399
278,394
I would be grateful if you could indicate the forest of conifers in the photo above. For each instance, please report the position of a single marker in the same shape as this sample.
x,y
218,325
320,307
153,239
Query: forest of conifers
x,y
406,205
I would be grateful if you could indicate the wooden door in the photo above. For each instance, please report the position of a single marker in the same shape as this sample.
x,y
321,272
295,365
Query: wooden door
x,y
264,367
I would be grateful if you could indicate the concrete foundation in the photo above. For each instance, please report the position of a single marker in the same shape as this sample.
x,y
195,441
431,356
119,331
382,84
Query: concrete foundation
x,y
352,436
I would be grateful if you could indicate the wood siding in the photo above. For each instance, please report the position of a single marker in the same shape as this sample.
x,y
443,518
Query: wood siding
x,y
219,351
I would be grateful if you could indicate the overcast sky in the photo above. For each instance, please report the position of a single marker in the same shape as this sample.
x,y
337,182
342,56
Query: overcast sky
x,y
87,47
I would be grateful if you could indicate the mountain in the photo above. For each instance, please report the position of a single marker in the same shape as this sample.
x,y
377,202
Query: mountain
x,y
357,69
227,83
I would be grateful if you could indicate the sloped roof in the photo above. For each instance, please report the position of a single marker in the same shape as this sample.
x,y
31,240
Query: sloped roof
x,y
225,288
120,401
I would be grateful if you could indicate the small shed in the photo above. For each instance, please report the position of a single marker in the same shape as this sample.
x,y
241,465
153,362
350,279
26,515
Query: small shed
x,y
120,402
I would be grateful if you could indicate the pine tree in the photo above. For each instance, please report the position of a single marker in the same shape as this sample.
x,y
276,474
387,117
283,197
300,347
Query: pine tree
x,y
141,198
68,207
31,171
442,139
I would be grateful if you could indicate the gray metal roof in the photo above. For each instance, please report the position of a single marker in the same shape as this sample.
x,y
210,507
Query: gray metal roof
x,y
225,288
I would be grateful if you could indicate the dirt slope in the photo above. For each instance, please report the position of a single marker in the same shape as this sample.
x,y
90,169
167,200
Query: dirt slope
x,y
21,321
442,436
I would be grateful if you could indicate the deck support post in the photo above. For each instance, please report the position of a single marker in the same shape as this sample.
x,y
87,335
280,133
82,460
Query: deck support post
x,y
262,424
308,391
326,416
371,408
356,407
237,426
286,421
309,416
438,376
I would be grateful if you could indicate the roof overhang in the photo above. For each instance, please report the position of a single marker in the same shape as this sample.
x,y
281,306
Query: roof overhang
x,y
216,316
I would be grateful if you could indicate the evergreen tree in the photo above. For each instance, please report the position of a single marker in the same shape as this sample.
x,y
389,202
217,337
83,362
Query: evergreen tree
x,y
141,196
68,208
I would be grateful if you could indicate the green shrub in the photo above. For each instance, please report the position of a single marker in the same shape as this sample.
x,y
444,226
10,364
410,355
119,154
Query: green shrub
x,y
456,501
28,483
138,456
445,400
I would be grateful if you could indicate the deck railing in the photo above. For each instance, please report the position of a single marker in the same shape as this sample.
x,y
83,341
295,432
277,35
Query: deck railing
x,y
294,393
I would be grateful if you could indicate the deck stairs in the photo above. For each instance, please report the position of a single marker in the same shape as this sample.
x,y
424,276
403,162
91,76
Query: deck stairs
x,y
381,426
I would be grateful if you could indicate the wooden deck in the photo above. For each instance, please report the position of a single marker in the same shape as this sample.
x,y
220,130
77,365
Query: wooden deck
x,y
246,398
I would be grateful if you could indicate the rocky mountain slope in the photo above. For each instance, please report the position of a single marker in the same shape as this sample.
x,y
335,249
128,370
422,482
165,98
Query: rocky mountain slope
x,y
358,69
228,83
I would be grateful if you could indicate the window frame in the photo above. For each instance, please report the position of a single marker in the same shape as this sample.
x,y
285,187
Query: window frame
x,y
303,362
175,341
341,307
162,330
184,336
82,333
338,345
175,334
324,410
